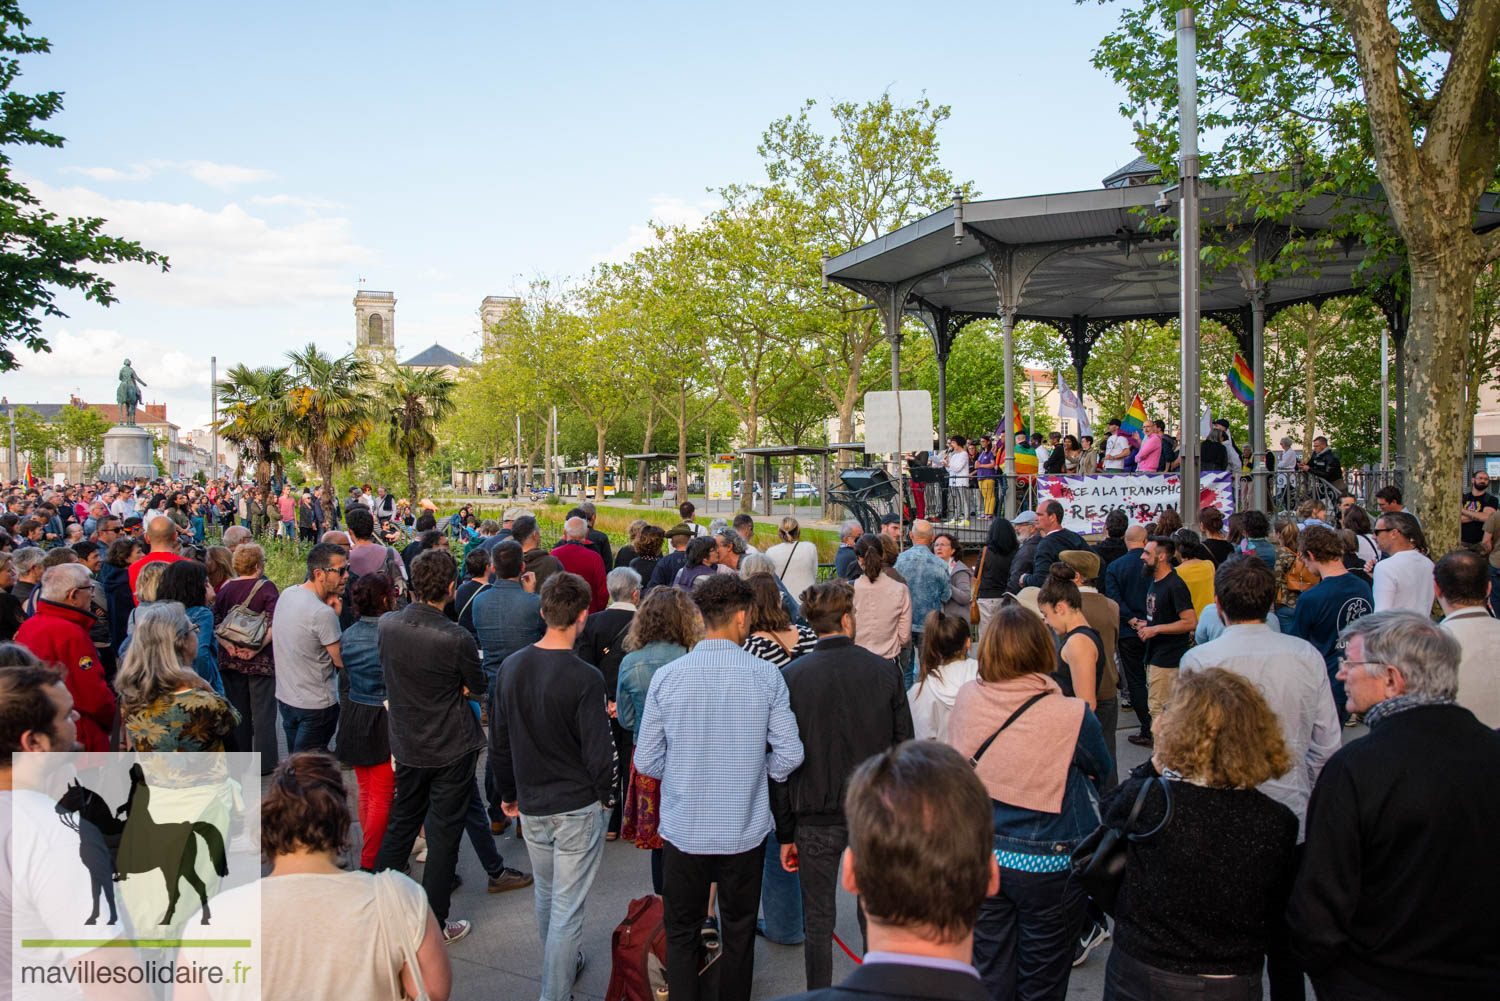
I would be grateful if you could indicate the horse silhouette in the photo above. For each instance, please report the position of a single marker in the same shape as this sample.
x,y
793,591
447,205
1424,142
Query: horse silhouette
x,y
139,844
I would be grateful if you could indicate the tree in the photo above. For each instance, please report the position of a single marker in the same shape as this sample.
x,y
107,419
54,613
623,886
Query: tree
x,y
38,438
330,407
254,415
83,428
40,254
1325,99
415,401
876,171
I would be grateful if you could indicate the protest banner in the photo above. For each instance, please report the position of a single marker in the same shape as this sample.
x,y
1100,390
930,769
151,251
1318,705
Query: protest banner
x,y
1087,500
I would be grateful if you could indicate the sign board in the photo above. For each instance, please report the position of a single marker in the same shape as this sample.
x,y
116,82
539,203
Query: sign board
x,y
59,479
1088,500
1492,466
720,481
907,413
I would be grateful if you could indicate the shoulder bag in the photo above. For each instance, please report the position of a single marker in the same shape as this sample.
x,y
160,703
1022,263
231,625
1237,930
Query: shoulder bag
x,y
387,907
974,594
974,759
245,628
1098,864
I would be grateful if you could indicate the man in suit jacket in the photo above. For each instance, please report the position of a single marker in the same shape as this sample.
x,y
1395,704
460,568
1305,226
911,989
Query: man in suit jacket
x,y
601,642
918,801
850,704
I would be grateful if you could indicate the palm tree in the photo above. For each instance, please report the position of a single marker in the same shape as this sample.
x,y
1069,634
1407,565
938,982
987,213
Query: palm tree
x,y
416,401
331,408
254,416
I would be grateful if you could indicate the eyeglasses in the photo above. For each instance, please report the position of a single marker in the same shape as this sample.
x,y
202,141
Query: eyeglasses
x,y
1382,531
1366,663
338,570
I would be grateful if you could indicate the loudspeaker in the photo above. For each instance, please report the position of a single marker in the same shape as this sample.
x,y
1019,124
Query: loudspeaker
x,y
873,483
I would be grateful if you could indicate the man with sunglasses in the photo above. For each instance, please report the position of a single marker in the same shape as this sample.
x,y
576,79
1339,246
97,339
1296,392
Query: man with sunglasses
x,y
305,640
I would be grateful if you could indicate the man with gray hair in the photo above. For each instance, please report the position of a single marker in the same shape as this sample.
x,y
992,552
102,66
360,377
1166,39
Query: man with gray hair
x,y
59,634
745,526
577,556
236,536
602,644
1390,896
845,565
27,563
927,580
731,548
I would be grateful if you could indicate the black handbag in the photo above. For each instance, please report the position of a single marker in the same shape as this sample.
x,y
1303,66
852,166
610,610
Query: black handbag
x,y
1098,864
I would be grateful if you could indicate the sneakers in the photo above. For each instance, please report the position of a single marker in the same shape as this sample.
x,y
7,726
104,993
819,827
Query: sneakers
x,y
1355,719
455,930
1141,739
1093,937
419,849
509,879
710,933
500,826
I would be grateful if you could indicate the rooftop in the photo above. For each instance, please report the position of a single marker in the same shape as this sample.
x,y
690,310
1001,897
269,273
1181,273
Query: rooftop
x,y
437,356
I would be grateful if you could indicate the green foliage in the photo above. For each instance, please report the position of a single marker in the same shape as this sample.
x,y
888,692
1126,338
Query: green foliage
x,y
414,402
254,415
330,406
37,439
83,428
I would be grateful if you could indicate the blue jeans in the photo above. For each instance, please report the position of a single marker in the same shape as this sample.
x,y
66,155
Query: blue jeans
x,y
308,729
565,851
1495,587
780,898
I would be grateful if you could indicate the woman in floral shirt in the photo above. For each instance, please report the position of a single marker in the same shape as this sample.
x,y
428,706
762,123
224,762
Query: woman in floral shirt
x,y
165,705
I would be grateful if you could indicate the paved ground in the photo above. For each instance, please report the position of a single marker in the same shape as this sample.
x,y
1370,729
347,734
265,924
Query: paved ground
x,y
501,957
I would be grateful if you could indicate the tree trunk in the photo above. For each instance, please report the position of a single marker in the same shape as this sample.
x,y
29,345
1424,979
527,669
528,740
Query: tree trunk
x,y
411,478
635,495
682,446
752,436
599,467
1442,298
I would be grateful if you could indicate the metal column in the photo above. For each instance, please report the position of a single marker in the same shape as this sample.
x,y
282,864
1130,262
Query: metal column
x,y
1385,398
1187,100
1008,329
1259,474
213,384
942,367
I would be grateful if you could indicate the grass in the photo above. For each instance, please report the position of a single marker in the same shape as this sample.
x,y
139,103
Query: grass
x,y
286,559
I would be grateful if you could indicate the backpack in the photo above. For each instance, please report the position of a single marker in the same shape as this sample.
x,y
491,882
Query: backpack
x,y
638,950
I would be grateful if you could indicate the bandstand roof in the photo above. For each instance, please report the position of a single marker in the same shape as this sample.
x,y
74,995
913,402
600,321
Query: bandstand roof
x,y
1089,256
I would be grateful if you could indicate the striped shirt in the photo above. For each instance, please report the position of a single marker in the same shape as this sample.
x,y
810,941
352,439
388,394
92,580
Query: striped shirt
x,y
708,718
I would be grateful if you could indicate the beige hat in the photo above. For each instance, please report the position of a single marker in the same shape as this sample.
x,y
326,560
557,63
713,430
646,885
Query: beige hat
x,y
512,513
428,504
1026,598
1085,562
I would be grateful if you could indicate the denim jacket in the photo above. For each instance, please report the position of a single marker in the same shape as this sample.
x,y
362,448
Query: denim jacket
x,y
206,662
1032,832
506,619
361,657
636,671
927,579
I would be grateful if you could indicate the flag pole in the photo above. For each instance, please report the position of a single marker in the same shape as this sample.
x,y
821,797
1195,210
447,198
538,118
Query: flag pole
x,y
1187,143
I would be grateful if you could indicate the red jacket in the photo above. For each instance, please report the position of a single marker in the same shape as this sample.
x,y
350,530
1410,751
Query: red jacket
x,y
59,634
577,557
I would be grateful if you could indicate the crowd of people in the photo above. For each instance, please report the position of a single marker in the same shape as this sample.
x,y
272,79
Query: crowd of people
x,y
934,731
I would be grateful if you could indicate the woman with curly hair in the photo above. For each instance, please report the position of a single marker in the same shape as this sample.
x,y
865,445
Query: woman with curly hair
x,y
666,626
1203,896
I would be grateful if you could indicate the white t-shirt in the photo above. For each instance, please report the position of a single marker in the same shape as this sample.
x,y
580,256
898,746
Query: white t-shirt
x,y
796,565
1404,580
1117,443
958,469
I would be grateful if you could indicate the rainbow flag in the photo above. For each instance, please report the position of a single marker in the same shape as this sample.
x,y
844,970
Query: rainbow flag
x,y
30,480
1026,464
1241,380
1135,417
1016,427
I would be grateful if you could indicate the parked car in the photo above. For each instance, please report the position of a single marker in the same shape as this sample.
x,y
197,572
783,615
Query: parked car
x,y
739,483
800,491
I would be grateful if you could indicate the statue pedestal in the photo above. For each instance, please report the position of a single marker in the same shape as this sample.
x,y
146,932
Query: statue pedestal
x,y
128,452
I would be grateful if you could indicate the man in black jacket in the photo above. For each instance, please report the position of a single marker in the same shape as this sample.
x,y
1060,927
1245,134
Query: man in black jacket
x,y
427,662
1055,539
1395,892
1020,564
921,859
849,704
1112,546
555,764
601,643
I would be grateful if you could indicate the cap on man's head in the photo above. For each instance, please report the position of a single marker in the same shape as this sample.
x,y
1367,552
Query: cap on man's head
x,y
681,528
1085,562
512,513
1024,518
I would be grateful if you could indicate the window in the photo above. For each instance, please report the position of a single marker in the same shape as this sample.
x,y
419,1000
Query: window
x,y
377,330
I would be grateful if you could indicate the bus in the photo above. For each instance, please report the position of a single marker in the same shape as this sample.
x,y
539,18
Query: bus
x,y
578,481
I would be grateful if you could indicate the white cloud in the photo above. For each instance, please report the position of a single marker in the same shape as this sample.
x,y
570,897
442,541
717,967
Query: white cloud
x,y
668,210
296,201
218,175
223,257
86,363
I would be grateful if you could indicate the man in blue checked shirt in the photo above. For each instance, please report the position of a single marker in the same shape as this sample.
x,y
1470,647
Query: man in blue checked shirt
x,y
708,719
927,579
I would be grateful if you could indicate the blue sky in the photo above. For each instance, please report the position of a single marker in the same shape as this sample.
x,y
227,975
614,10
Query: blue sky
x,y
280,151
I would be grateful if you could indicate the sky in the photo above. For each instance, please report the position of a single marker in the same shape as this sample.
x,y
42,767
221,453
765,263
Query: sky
x,y
280,152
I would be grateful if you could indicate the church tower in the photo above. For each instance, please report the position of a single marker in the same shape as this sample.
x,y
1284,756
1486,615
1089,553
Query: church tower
x,y
495,309
375,325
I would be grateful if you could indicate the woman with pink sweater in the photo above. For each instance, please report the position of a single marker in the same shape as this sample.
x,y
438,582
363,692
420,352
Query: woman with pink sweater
x,y
1041,756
